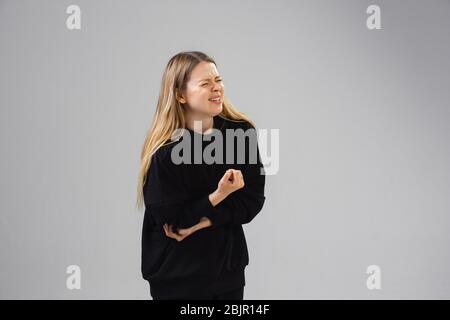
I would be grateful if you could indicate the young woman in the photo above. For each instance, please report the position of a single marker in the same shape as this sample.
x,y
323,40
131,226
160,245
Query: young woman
x,y
193,243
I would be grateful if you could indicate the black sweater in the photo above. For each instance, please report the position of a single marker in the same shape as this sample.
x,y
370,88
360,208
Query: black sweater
x,y
211,260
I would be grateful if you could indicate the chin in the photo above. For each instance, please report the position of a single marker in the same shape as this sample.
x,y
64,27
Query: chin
x,y
213,110
217,111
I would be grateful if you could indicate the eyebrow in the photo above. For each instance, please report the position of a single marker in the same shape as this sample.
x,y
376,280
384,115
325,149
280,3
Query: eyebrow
x,y
208,79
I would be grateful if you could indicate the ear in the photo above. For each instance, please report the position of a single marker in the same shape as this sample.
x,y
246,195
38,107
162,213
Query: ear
x,y
179,97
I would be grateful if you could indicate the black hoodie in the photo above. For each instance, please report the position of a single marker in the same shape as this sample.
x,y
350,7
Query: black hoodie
x,y
211,260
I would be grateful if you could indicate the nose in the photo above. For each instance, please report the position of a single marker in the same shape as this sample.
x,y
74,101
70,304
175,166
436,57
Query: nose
x,y
217,87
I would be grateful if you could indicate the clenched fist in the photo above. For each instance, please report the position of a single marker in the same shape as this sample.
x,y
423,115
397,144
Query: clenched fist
x,y
231,181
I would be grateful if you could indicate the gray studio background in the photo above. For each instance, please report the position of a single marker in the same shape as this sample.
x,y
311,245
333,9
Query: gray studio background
x,y
363,115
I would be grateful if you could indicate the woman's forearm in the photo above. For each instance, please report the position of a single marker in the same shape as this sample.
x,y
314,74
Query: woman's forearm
x,y
216,197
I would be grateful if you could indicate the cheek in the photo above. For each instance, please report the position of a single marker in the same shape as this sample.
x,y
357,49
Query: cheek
x,y
199,98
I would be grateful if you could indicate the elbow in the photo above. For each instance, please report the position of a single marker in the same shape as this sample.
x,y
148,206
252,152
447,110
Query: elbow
x,y
160,217
258,205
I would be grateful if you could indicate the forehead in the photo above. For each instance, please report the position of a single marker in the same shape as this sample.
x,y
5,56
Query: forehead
x,y
204,70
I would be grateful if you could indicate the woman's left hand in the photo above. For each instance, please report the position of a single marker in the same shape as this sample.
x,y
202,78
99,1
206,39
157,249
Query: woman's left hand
x,y
183,233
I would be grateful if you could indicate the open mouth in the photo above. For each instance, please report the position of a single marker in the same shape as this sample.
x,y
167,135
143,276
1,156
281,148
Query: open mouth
x,y
215,100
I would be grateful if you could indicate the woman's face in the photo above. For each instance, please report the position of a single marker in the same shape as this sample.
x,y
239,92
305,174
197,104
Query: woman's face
x,y
204,84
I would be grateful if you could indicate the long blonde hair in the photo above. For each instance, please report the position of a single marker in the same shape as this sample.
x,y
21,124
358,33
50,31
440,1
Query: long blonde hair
x,y
169,114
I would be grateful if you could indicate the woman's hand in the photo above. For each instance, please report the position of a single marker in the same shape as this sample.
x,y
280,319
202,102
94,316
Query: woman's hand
x,y
183,233
231,181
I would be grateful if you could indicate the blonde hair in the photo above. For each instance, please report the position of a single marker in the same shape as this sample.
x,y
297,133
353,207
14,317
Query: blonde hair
x,y
169,114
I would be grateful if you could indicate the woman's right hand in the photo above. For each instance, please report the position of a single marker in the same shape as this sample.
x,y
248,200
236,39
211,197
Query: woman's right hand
x,y
231,181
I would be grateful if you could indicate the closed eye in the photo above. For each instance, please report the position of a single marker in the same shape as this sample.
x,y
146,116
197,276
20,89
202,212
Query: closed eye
x,y
218,80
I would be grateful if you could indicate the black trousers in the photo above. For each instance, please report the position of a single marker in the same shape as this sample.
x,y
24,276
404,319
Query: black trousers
x,y
236,294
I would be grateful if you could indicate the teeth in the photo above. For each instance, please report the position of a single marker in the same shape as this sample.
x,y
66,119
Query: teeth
x,y
216,99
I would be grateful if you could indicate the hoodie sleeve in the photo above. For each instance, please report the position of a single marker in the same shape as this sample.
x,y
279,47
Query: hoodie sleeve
x,y
241,206
166,197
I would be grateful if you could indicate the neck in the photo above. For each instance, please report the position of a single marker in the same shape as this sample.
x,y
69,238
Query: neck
x,y
207,122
